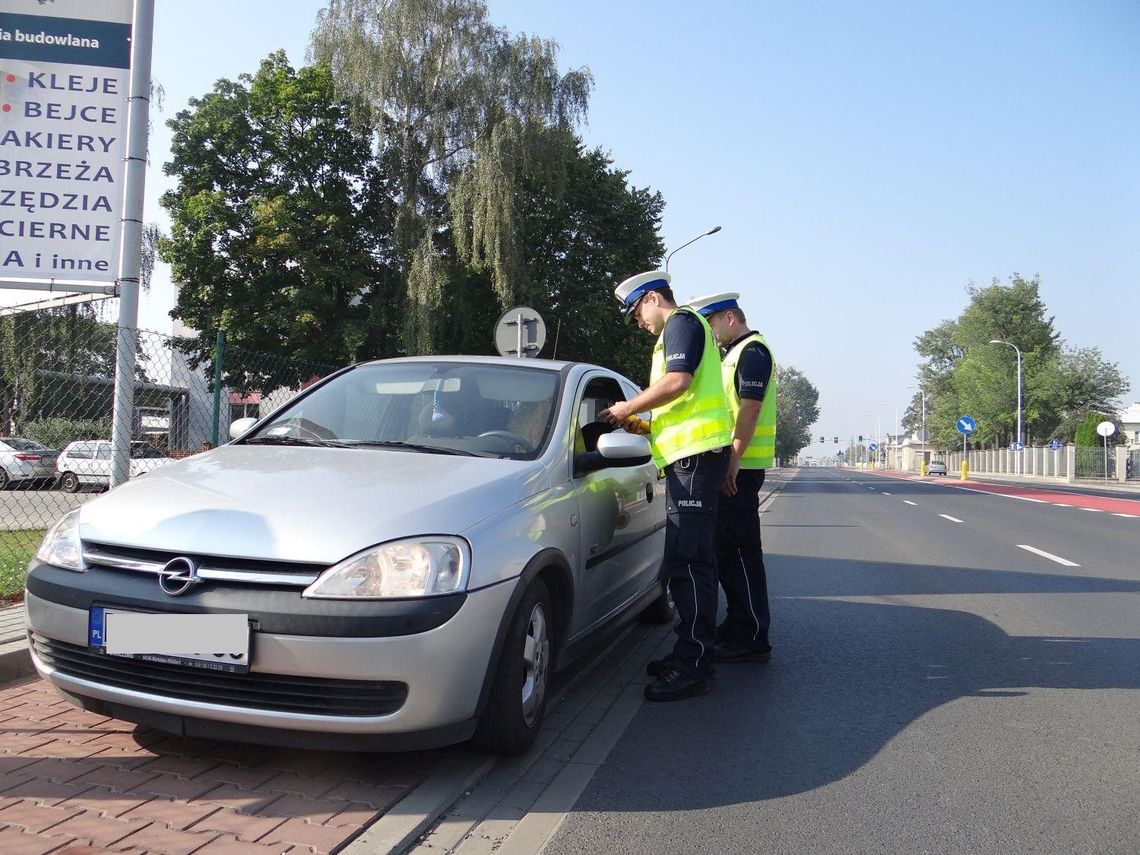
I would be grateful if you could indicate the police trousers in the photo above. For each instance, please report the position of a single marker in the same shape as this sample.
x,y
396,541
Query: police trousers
x,y
740,560
692,494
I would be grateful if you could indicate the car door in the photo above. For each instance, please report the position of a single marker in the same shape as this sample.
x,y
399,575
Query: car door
x,y
622,515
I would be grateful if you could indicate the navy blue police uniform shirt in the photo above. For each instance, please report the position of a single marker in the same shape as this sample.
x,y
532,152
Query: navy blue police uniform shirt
x,y
684,343
753,370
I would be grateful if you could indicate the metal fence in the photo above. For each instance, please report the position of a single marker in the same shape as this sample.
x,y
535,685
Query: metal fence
x,y
1092,462
57,370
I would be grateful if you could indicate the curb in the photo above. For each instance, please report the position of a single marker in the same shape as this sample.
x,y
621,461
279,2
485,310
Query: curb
x,y
15,661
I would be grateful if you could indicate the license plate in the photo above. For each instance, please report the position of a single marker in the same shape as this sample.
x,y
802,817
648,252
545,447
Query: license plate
x,y
212,642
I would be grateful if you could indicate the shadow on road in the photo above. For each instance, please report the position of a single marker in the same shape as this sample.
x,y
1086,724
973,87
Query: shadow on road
x,y
846,679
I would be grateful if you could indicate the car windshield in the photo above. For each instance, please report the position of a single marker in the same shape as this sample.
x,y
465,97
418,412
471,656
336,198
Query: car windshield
x,y
481,410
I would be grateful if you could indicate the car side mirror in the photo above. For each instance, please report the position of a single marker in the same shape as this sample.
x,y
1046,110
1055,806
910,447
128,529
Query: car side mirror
x,y
614,449
241,426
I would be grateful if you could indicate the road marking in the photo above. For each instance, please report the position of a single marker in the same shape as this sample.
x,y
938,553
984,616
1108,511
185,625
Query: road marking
x,y
948,517
885,493
1092,510
909,502
1048,555
1127,516
1027,499
1061,505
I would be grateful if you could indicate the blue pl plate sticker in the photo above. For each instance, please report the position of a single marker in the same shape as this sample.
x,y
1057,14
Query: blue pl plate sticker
x,y
95,633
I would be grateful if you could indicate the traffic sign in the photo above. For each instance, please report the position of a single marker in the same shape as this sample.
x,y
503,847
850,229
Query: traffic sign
x,y
966,425
1016,446
1055,445
1106,429
874,446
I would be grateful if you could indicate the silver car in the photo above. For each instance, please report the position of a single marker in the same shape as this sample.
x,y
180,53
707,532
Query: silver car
x,y
25,460
398,558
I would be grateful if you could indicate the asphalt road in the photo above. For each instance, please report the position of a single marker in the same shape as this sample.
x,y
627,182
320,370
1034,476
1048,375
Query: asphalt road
x,y
936,687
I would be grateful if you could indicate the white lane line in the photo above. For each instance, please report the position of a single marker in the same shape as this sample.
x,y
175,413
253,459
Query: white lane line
x,y
885,493
1048,555
1027,499
948,517
907,501
1061,505
1127,516
1092,510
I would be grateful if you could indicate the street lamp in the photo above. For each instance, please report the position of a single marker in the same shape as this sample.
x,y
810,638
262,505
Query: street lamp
x,y
1020,459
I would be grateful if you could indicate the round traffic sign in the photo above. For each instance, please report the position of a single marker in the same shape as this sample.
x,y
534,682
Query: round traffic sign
x,y
1016,446
520,332
966,425
1106,429
1055,445
874,446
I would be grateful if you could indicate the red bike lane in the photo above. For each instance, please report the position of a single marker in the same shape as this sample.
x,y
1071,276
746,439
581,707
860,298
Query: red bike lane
x,y
1112,505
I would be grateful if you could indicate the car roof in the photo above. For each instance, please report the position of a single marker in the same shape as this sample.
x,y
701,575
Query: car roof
x,y
545,364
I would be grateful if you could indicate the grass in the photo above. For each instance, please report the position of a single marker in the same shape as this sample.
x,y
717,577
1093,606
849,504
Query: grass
x,y
16,549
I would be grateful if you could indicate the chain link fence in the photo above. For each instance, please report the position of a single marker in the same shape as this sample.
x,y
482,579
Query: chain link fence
x,y
57,390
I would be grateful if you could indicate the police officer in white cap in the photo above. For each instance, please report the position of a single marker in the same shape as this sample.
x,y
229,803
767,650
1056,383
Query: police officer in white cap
x,y
689,434
749,379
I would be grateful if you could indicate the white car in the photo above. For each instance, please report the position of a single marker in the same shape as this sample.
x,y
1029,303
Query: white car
x,y
25,460
89,463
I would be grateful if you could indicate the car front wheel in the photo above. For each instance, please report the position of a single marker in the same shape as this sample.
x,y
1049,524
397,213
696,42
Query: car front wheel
x,y
69,482
513,717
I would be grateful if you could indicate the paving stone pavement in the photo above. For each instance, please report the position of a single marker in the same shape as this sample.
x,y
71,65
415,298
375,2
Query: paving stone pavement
x,y
75,782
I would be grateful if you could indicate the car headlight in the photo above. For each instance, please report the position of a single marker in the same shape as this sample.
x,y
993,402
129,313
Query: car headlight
x,y
61,547
418,567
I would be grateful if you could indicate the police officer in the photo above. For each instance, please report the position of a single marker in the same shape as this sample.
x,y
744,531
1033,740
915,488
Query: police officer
x,y
749,378
689,434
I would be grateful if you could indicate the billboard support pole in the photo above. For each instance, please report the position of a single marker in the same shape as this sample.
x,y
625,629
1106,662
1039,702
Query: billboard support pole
x,y
130,252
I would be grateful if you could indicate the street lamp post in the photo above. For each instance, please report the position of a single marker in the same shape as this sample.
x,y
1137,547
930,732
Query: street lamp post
x,y
1020,456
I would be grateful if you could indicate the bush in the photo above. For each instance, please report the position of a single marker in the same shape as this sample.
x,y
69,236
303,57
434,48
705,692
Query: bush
x,y
56,433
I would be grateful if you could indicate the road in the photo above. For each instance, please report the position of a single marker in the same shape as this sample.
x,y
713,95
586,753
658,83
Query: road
x,y
953,671
37,509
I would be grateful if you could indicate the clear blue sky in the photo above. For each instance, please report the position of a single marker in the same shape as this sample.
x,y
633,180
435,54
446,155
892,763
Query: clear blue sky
x,y
866,160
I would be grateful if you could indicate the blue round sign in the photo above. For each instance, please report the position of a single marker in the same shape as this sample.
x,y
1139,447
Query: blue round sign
x,y
966,425
1055,444
874,446
1016,446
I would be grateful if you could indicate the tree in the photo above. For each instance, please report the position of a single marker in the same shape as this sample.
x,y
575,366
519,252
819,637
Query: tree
x,y
450,91
281,225
797,409
964,374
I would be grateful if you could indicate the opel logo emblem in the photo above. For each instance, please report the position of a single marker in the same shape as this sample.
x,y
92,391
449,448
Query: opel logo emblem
x,y
178,576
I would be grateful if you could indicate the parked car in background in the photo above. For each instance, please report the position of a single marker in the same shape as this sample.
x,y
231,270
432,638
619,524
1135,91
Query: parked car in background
x,y
936,467
398,558
25,460
88,463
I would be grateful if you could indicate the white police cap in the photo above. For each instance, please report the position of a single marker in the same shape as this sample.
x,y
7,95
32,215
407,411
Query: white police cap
x,y
637,286
713,303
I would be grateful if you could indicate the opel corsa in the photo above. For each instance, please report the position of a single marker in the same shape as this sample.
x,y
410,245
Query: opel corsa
x,y
399,558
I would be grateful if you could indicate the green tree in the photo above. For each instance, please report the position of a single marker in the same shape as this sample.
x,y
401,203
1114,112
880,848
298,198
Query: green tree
x,y
281,225
964,374
797,409
456,94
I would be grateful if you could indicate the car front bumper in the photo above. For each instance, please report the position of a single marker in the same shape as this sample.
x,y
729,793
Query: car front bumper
x,y
443,669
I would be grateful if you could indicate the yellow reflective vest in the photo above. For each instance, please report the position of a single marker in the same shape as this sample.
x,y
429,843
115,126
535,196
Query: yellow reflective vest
x,y
698,420
760,452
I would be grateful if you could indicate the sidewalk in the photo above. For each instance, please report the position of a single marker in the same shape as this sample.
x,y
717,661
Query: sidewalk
x,y
14,659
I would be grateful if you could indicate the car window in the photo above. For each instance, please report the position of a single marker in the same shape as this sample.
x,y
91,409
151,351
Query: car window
x,y
16,443
600,394
502,410
82,450
103,451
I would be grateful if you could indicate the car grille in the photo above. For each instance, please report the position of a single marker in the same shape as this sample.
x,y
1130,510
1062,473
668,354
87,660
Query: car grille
x,y
217,568
255,690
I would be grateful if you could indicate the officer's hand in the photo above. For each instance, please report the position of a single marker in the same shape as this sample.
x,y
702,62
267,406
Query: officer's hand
x,y
616,414
729,485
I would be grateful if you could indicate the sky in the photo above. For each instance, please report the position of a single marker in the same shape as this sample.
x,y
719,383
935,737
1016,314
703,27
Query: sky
x,y
867,161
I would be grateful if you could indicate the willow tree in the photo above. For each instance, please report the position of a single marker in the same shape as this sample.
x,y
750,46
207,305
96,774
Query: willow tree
x,y
448,89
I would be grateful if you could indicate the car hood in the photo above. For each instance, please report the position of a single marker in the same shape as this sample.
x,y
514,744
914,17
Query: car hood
x,y
313,505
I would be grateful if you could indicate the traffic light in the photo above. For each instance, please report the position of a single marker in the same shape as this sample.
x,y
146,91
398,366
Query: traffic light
x,y
822,440
837,440
860,437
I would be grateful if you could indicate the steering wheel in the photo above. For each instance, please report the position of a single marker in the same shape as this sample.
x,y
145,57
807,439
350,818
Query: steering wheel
x,y
513,438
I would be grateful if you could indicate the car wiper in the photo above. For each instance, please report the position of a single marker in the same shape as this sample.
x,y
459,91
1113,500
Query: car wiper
x,y
414,446
295,440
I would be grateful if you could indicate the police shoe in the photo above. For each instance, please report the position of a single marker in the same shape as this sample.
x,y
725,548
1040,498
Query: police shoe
x,y
674,685
657,667
734,650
